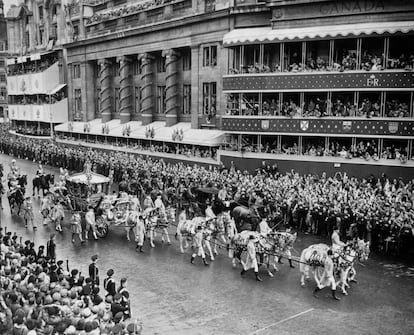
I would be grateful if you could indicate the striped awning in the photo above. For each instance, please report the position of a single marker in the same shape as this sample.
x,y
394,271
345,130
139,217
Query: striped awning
x,y
267,34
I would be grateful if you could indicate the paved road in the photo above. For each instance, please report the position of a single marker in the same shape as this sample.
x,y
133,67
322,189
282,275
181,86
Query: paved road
x,y
174,297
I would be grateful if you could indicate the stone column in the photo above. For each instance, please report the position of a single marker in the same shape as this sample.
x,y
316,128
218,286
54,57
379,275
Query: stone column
x,y
105,107
196,91
125,89
147,101
89,89
171,86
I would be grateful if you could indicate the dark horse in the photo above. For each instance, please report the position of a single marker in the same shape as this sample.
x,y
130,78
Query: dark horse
x,y
43,183
246,218
16,199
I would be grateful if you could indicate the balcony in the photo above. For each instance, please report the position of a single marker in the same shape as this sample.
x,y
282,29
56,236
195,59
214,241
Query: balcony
x,y
314,81
349,127
34,83
52,113
131,15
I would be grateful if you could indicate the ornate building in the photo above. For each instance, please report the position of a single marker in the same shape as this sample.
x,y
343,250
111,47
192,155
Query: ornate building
x,y
36,32
3,58
329,83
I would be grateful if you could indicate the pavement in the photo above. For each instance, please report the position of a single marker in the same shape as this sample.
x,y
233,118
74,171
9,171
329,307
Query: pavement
x,y
172,296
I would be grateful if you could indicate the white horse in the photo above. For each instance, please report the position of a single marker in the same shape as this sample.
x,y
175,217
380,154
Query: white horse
x,y
266,247
158,219
313,257
215,233
186,229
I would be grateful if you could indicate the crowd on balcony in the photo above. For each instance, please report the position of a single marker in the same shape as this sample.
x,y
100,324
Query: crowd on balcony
x,y
125,10
318,107
188,151
40,294
31,66
364,149
34,130
38,99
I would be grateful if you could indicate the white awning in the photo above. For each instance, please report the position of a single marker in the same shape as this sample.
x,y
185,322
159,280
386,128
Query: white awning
x,y
35,56
81,178
11,61
267,34
57,89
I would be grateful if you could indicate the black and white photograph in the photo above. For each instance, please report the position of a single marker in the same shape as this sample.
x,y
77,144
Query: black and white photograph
x,y
206,167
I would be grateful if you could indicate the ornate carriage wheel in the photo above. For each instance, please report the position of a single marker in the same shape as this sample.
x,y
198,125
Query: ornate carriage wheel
x,y
102,227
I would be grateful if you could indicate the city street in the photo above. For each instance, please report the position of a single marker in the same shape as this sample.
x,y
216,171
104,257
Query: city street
x,y
172,296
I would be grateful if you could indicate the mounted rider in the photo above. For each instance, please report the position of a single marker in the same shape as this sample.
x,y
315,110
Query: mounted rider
x,y
40,172
337,244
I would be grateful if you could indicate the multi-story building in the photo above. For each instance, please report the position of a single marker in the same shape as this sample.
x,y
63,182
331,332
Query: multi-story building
x,y
322,86
313,86
3,69
36,65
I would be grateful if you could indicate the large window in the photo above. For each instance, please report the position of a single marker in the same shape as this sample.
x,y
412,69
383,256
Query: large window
x,y
317,55
98,101
270,104
345,54
251,58
209,98
187,99
293,57
78,100
137,99
250,104
137,67
161,100
160,64
210,56
315,104
76,71
186,57
271,58
2,63
233,104
291,105
400,52
235,59
343,104
372,53
117,104
397,104
2,78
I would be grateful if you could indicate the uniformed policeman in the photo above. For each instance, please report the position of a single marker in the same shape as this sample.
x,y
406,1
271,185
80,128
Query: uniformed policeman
x,y
94,271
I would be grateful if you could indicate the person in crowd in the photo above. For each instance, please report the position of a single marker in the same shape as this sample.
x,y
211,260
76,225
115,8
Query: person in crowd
x,y
109,283
94,271
51,248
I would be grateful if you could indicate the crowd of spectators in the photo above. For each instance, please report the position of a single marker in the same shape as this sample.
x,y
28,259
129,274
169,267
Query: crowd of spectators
x,y
367,150
347,62
125,10
153,146
31,66
377,209
318,107
39,295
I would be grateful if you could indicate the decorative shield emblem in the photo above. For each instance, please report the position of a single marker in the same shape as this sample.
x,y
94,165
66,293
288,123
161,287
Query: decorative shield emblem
x,y
265,124
393,127
346,125
304,125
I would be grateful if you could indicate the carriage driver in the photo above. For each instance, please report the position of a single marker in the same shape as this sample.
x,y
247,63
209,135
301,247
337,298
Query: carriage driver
x,y
337,244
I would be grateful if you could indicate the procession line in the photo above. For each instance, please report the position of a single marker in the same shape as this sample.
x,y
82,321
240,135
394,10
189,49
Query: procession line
x,y
281,321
